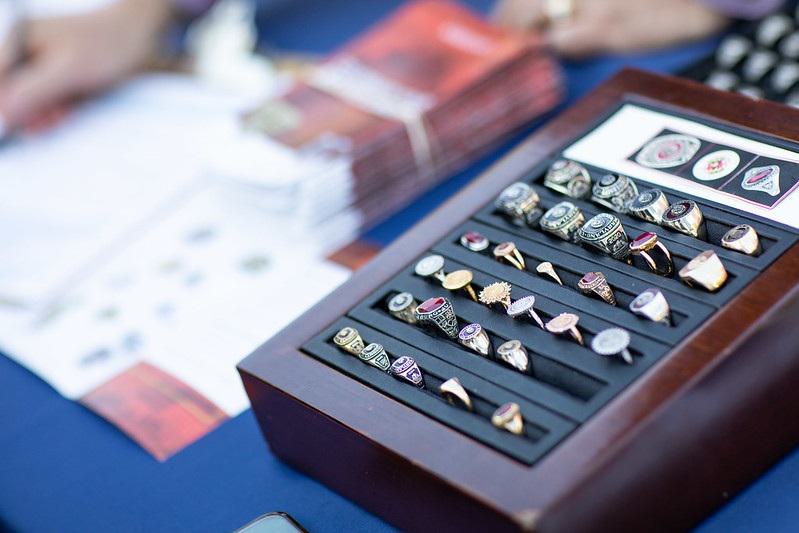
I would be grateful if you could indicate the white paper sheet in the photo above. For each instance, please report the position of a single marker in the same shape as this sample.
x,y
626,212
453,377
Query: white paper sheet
x,y
122,246
193,294
72,194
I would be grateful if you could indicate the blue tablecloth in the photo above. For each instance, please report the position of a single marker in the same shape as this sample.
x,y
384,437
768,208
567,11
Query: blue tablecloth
x,y
62,468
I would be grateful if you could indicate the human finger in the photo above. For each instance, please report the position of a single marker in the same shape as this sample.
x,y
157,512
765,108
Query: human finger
x,y
519,14
36,86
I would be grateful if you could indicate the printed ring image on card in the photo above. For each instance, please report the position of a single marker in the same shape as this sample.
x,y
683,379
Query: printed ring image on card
x,y
766,181
755,173
668,150
716,165
692,158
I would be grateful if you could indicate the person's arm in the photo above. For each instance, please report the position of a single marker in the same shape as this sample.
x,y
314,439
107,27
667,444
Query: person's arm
x,y
598,26
72,56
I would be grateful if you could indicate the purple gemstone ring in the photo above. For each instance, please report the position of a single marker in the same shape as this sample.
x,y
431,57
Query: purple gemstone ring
x,y
474,337
406,369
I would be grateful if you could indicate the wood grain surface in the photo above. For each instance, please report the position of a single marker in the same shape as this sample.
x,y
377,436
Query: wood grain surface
x,y
696,428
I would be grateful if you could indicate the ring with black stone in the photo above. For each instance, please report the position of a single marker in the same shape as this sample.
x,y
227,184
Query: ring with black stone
x,y
563,220
519,201
649,205
605,232
569,178
614,191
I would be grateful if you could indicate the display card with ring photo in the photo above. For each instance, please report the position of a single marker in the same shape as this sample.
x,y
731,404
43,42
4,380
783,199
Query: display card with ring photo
x,y
751,173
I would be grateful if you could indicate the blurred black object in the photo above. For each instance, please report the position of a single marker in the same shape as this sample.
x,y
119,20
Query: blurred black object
x,y
273,523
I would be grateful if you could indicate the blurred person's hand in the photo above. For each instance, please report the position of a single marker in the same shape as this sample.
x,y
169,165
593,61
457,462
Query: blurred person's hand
x,y
597,26
73,56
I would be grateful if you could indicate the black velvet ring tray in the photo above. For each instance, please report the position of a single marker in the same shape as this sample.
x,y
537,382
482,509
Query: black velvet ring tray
x,y
567,383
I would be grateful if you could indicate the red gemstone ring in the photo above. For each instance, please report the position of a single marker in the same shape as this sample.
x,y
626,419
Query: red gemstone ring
x,y
438,311
595,282
476,242
653,252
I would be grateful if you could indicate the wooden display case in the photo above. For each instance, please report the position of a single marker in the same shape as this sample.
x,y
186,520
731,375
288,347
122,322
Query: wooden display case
x,y
707,405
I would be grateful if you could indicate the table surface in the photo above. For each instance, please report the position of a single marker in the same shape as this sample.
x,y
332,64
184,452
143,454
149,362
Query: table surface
x,y
63,468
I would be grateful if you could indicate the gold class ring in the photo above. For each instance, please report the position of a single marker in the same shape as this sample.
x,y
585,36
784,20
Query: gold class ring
x,y
507,251
403,306
705,270
605,232
742,238
686,217
653,252
649,205
566,323
509,417
569,178
349,340
595,282
614,191
460,280
452,391
563,220
519,201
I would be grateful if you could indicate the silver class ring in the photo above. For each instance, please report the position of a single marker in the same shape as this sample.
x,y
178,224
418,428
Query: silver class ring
x,y
614,191
605,232
513,353
651,304
569,178
563,220
519,201
438,311
649,205
474,337
684,216
406,369
374,354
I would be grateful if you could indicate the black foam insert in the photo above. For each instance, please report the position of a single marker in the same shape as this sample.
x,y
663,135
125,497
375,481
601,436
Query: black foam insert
x,y
543,428
567,383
